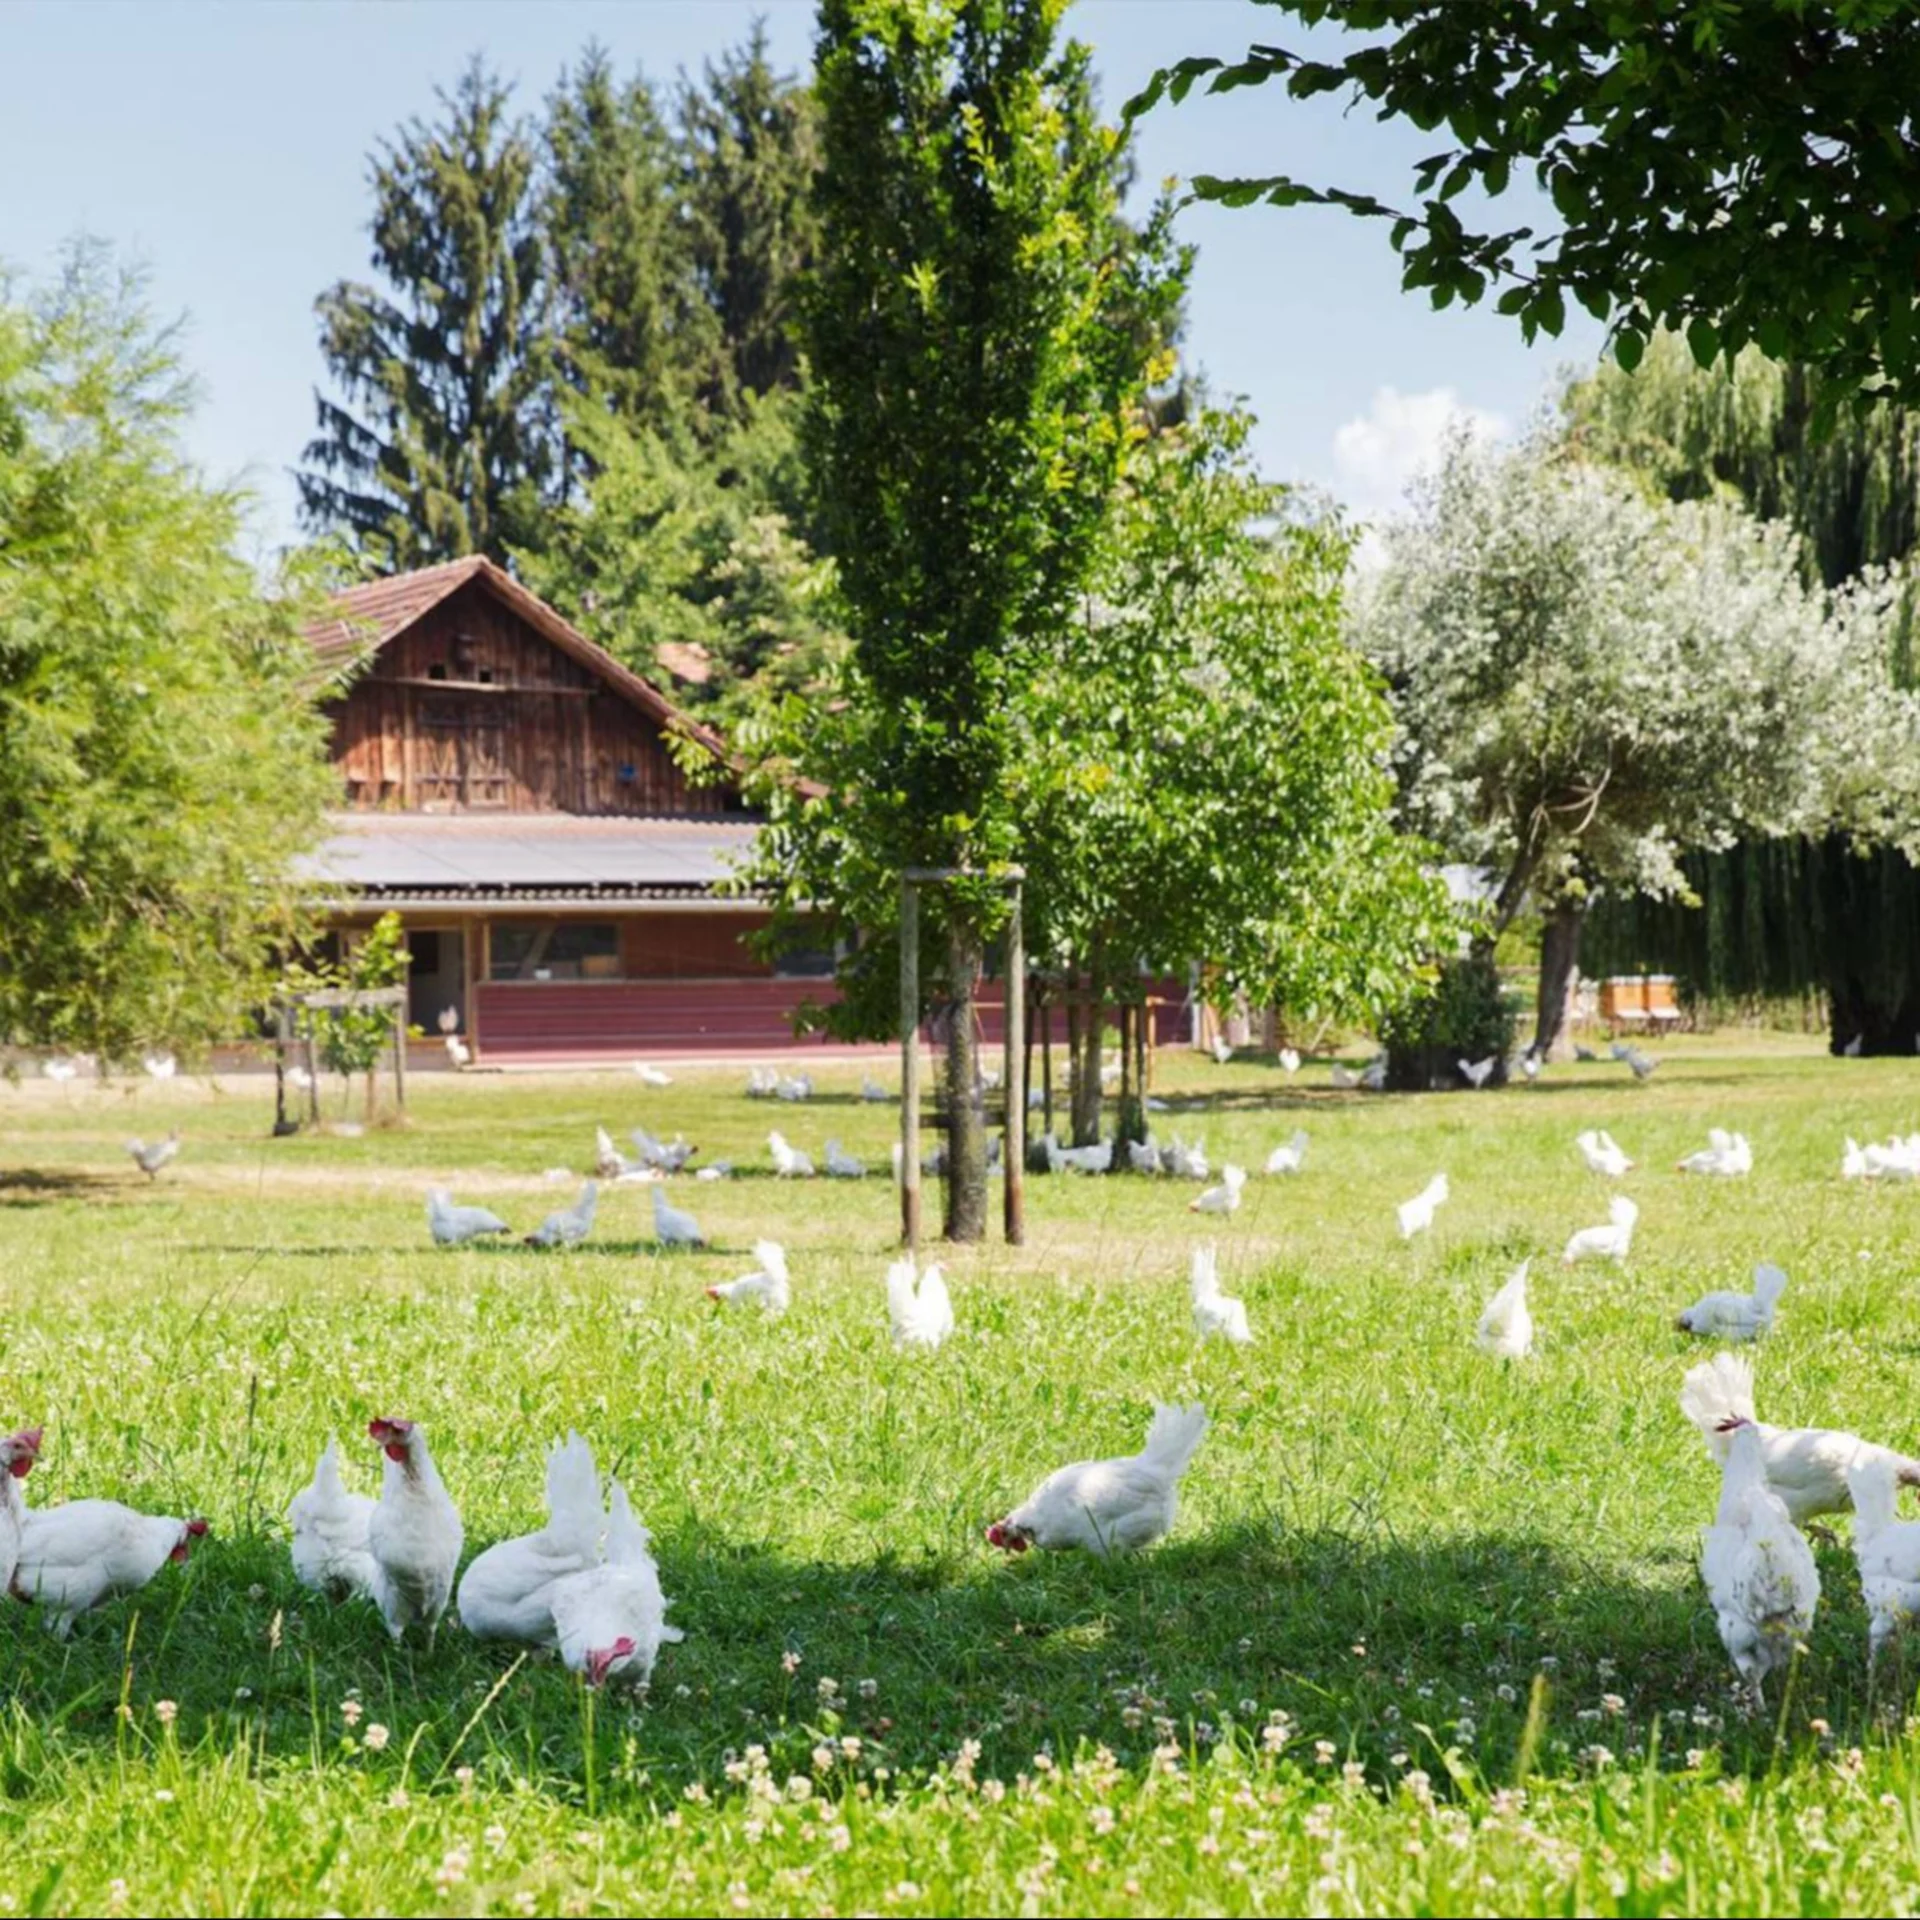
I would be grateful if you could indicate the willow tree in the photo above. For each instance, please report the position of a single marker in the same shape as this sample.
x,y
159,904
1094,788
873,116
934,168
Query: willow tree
x,y
966,424
1591,683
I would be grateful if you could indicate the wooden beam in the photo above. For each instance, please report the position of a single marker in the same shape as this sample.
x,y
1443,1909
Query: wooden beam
x,y
1014,1075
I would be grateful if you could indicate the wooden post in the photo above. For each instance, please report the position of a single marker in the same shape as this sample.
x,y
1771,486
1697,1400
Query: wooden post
x,y
313,1077
1014,1075
400,1056
909,1064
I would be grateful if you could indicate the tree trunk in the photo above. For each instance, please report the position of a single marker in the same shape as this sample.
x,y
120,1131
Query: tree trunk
x,y
1559,958
966,1123
1131,1122
1086,1071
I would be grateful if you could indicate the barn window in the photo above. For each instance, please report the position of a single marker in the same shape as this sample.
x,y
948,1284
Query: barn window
x,y
554,950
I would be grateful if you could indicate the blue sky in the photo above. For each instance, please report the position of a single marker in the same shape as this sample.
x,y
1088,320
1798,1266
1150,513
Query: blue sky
x,y
224,144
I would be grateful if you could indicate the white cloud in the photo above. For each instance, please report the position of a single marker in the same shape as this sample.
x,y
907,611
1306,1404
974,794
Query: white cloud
x,y
1399,436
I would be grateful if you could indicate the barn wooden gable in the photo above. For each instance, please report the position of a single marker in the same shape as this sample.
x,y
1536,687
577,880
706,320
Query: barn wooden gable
x,y
479,698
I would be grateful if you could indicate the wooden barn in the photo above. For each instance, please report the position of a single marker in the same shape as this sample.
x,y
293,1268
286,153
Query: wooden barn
x,y
507,789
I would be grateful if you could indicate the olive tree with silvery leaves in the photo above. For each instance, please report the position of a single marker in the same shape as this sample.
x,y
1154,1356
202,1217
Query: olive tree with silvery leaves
x,y
1590,682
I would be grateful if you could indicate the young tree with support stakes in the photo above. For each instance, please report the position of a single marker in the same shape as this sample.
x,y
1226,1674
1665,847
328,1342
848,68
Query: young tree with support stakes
x,y
966,423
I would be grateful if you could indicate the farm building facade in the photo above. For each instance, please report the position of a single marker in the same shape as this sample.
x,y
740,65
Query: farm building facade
x,y
509,791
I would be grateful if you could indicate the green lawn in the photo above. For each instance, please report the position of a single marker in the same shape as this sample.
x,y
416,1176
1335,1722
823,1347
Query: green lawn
x,y
1314,1696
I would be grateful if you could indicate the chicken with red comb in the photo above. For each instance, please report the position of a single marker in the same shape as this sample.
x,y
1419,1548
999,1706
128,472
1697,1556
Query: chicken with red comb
x,y
18,1452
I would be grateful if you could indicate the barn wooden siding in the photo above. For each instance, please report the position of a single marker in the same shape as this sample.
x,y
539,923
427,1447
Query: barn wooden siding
x,y
471,710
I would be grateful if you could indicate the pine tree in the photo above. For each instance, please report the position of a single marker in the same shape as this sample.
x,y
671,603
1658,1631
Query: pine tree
x,y
632,333
749,146
442,444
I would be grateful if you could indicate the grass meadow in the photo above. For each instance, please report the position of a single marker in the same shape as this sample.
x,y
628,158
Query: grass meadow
x,y
1427,1638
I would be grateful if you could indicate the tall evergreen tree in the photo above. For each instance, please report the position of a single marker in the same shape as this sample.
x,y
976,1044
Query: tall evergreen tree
x,y
632,332
442,444
749,147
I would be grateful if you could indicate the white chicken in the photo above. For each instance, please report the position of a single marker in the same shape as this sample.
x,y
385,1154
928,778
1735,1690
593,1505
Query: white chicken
x,y
506,1594
18,1452
1613,1242
1888,1551
1289,1060
1225,1198
160,1066
299,1079
1506,1328
1222,1050
797,1087
789,1163
762,1082
1758,1569
459,1054
1530,1068
612,1619
1416,1215
1344,1079
842,1165
672,1226
1806,1466
872,1091
716,1170
1213,1311
768,1286
1598,1150
1186,1162
570,1225
1144,1157
449,1020
453,1226
1109,1506
921,1315
1737,1316
150,1159
1854,1164
77,1557
1373,1076
1094,1159
609,1163
1726,1155
330,1551
652,1076
1292,1157
414,1534
666,1156
60,1070
1477,1072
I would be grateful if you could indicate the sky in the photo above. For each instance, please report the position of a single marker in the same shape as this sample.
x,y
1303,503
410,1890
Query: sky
x,y
223,144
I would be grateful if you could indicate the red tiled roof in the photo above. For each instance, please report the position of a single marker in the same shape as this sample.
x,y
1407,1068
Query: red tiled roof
x,y
375,612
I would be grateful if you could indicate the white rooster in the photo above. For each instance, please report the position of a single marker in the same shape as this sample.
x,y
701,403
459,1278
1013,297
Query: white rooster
x,y
1758,1569
1292,1157
150,1159
762,1082
1344,1079
767,1287
1806,1466
842,1165
18,1452
453,1226
1888,1550
1109,1506
1416,1215
1095,1159
921,1315
672,1226
612,1619
1613,1242
1477,1072
1144,1157
667,1156
570,1225
652,1076
414,1535
1737,1316
1225,1198
1222,1050
459,1054
1506,1328
1186,1162
1213,1311
788,1161
506,1594
1602,1155
1289,1060
1726,1155
798,1087
330,1552
160,1066
609,1163
76,1557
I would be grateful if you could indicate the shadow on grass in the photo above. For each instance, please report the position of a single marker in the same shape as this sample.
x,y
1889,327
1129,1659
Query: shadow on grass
x,y
40,1187
1377,1646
